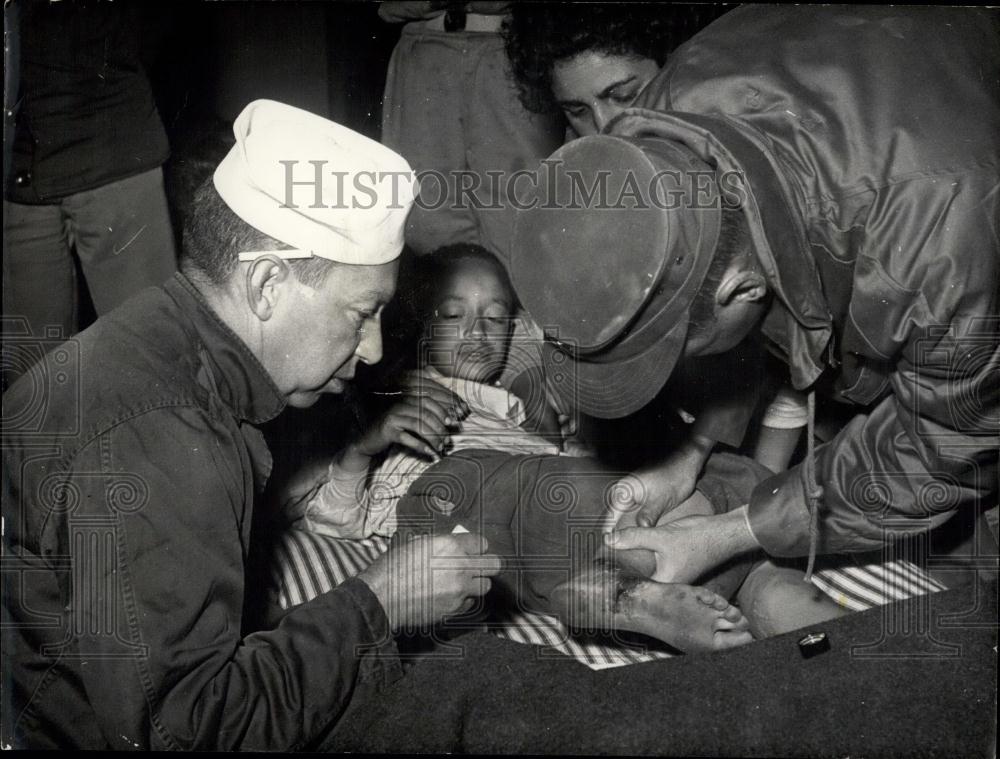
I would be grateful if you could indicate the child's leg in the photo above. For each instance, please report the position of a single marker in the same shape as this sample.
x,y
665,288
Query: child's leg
x,y
545,516
724,580
776,599
563,515
461,491
605,597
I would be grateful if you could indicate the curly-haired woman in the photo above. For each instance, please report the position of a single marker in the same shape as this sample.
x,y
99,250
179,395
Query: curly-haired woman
x,y
592,60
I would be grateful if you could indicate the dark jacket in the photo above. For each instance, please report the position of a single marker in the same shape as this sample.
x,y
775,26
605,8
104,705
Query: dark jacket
x,y
85,114
869,140
130,473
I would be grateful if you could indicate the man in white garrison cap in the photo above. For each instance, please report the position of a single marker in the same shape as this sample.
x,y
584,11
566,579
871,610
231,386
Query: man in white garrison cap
x,y
132,462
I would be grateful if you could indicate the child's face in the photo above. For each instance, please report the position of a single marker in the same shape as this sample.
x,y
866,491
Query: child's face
x,y
471,324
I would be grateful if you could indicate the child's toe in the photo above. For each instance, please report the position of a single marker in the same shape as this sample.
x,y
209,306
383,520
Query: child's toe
x,y
732,639
710,598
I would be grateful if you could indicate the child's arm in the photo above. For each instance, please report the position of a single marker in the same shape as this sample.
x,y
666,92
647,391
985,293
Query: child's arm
x,y
418,422
781,429
338,508
539,416
647,494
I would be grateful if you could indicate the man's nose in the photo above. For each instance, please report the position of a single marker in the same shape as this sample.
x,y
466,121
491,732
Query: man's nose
x,y
369,350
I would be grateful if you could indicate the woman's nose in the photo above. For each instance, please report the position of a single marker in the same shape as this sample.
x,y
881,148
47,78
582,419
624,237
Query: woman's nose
x,y
602,113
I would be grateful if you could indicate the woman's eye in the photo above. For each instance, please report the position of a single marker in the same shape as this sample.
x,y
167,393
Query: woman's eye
x,y
575,112
623,97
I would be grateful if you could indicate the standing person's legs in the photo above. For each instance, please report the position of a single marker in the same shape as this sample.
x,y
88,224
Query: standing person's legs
x,y
39,285
38,276
422,121
502,136
123,236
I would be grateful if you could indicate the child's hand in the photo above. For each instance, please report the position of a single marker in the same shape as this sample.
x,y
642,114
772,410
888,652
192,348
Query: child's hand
x,y
421,421
648,494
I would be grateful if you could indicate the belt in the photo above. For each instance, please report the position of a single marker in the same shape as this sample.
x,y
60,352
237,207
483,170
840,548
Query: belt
x,y
474,22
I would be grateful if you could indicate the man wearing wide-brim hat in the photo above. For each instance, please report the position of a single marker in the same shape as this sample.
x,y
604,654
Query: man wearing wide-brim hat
x,y
132,462
827,177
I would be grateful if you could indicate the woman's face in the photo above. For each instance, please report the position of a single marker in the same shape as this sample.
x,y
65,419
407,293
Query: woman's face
x,y
593,87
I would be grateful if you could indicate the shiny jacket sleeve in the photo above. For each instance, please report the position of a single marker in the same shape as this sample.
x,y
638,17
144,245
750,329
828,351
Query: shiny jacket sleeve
x,y
159,620
921,339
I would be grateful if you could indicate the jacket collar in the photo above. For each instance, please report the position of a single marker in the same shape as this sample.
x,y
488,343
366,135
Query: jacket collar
x,y
799,321
237,375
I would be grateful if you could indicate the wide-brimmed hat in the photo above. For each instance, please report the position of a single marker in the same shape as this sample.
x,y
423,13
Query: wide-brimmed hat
x,y
607,257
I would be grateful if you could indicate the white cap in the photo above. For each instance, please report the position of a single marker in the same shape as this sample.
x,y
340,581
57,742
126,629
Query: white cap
x,y
315,185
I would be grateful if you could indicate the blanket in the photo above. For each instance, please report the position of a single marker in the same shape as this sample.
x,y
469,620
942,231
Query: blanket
x,y
307,564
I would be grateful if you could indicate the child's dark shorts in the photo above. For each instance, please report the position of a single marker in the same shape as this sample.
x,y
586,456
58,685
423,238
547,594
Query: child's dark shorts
x,y
544,515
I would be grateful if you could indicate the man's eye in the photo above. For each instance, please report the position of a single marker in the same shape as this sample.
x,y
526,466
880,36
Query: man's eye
x,y
575,112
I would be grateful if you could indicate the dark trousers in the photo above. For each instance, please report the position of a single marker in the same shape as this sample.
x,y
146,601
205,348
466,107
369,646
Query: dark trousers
x,y
121,233
544,515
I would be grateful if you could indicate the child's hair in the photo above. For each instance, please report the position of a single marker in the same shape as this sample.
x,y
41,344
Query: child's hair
x,y
421,279
430,274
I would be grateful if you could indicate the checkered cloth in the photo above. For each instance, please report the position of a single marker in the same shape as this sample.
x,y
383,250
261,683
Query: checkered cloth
x,y
307,564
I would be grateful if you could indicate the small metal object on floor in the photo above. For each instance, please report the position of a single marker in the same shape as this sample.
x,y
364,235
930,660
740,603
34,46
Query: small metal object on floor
x,y
814,643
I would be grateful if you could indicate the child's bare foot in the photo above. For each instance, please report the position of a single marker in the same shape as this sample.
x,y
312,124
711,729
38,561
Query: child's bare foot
x,y
686,617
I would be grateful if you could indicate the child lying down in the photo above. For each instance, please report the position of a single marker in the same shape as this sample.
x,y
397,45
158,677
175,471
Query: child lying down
x,y
463,452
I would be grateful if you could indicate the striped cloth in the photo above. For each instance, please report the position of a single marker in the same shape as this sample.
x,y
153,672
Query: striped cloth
x,y
307,564
857,586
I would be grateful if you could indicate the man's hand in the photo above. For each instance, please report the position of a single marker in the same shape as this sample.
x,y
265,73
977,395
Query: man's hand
x,y
420,421
649,494
687,548
430,577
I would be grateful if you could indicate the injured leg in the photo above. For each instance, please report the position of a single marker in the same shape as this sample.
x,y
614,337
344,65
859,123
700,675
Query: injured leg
x,y
725,580
604,597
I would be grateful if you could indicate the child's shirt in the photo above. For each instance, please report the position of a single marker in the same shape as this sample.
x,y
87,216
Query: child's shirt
x,y
353,506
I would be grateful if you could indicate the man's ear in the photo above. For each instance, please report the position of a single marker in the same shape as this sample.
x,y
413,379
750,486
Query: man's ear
x,y
264,278
741,285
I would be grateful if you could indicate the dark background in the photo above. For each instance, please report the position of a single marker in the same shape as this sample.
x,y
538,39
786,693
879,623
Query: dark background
x,y
209,59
